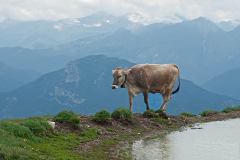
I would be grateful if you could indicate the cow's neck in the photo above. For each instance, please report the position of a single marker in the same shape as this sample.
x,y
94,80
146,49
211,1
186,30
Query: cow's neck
x,y
124,83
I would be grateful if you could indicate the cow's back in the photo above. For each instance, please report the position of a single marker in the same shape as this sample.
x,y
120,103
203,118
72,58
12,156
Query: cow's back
x,y
154,77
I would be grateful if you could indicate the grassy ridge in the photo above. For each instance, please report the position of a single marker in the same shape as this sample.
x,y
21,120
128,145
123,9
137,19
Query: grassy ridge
x,y
95,137
34,138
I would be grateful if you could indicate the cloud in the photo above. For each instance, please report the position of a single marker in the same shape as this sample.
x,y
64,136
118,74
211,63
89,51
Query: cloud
x,y
144,10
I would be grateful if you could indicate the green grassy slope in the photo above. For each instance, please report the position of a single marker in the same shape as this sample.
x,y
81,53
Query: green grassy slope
x,y
84,138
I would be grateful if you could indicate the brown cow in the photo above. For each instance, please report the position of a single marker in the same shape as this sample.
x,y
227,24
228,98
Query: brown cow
x,y
145,78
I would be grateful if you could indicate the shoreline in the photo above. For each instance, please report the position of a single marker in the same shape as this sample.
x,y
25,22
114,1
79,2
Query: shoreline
x,y
33,138
123,134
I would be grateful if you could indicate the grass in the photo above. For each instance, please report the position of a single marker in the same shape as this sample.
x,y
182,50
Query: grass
x,y
208,113
122,114
16,130
102,116
231,109
187,114
150,114
89,134
60,147
38,126
29,139
14,147
15,141
161,120
34,139
67,116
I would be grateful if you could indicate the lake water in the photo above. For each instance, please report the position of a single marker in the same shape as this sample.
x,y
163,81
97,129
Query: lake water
x,y
215,141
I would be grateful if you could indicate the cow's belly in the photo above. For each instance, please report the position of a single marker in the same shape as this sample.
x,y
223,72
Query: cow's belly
x,y
158,89
134,90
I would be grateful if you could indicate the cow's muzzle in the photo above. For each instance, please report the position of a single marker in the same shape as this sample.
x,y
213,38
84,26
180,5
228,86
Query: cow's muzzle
x,y
114,86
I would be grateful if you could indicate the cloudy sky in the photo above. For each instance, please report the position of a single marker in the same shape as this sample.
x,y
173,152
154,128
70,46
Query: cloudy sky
x,y
145,10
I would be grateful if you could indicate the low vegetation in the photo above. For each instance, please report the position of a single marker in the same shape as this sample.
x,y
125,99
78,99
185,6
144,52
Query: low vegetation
x,y
102,116
34,138
208,113
231,109
18,136
67,116
38,126
122,114
150,114
187,114
16,130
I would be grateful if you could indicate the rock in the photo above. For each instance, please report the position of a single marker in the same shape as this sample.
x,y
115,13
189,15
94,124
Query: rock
x,y
52,124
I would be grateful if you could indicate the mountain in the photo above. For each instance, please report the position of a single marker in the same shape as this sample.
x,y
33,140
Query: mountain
x,y
194,45
195,99
45,34
84,85
11,78
227,25
39,60
226,83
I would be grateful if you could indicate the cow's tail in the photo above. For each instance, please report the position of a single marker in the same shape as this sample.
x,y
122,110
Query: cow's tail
x,y
179,83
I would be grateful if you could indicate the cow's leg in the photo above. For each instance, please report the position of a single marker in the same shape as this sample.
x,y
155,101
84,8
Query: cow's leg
x,y
166,98
130,95
164,104
145,94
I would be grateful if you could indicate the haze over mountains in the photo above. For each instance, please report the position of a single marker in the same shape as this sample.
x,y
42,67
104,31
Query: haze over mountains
x,y
195,45
84,85
12,78
201,48
45,34
227,83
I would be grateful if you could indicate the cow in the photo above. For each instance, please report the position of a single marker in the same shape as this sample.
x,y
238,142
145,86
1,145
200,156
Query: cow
x,y
148,78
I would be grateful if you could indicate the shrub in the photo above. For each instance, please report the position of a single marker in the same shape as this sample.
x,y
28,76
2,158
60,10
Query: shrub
x,y
208,113
187,114
231,109
39,127
162,113
122,114
16,129
150,114
102,117
67,116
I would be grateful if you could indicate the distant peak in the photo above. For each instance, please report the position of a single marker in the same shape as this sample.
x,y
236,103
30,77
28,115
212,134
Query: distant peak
x,y
100,14
204,24
202,20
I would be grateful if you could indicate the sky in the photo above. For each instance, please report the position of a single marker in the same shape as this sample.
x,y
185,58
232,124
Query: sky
x,y
147,11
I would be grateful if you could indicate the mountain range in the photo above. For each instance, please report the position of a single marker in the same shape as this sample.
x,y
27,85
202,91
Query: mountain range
x,y
200,48
68,55
12,78
46,34
84,85
226,83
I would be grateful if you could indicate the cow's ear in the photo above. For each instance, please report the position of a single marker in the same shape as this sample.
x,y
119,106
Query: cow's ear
x,y
113,71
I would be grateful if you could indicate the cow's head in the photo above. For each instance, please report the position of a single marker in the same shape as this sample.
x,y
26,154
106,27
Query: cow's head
x,y
119,77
